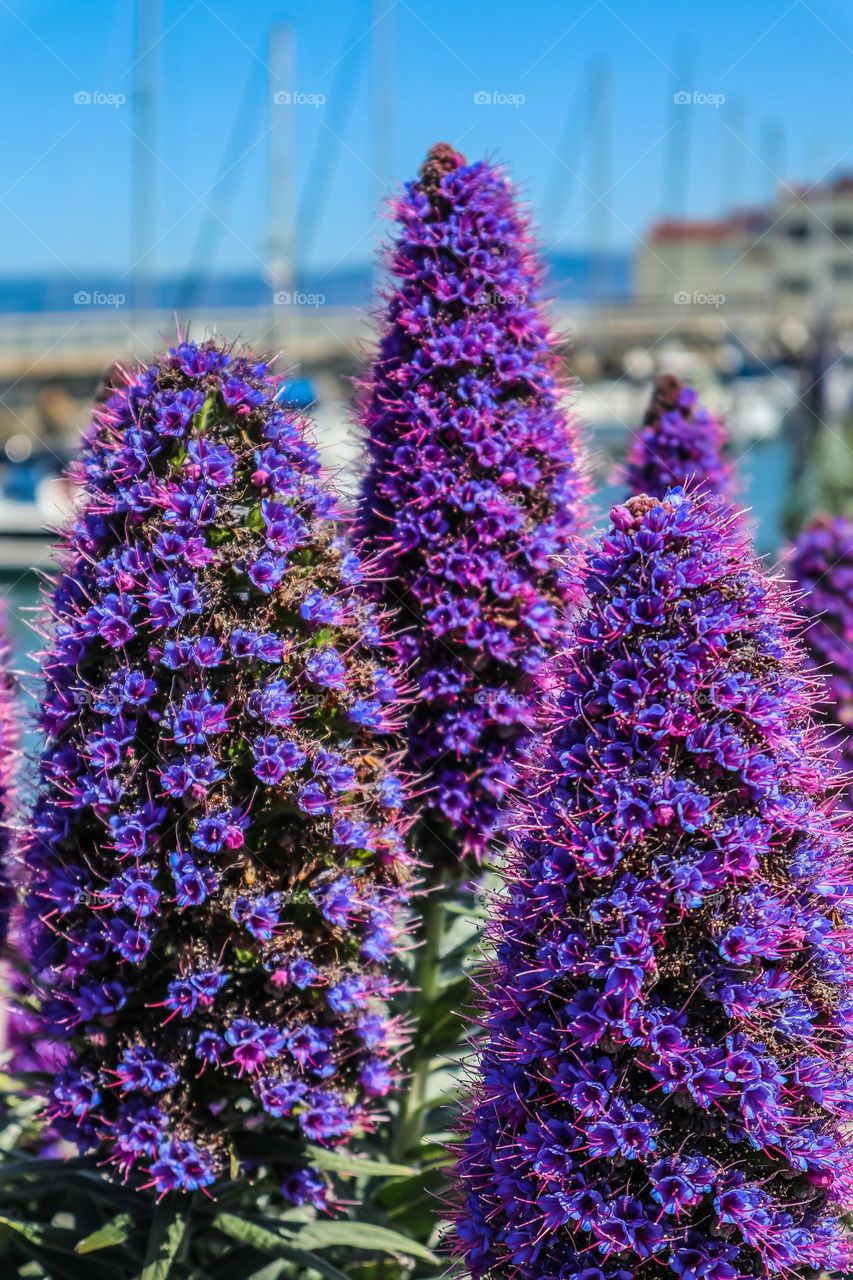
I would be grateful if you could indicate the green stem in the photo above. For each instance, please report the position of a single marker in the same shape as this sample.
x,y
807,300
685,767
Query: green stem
x,y
427,982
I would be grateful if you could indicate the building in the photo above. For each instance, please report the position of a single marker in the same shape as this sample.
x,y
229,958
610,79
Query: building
x,y
795,255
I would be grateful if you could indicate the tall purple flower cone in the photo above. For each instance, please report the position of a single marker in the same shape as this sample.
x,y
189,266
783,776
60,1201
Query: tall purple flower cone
x,y
665,1087
217,868
472,489
821,562
680,444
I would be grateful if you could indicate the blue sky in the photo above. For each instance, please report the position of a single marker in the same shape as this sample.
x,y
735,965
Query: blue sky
x,y
785,70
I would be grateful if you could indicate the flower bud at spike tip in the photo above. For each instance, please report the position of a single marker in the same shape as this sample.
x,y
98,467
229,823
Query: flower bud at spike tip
x,y
217,870
473,488
680,444
665,1085
821,563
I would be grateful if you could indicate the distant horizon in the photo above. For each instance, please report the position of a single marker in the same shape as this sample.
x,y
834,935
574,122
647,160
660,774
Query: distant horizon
x,y
568,276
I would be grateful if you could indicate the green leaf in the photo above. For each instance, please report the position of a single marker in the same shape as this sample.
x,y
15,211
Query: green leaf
x,y
52,1247
168,1228
201,421
66,1266
404,1192
37,1233
457,990
250,1233
464,957
434,1151
10,1169
114,1232
473,911
259,1237
238,1264
361,1235
311,1262
216,536
255,519
267,1146
444,1023
94,1185
274,1147
346,1162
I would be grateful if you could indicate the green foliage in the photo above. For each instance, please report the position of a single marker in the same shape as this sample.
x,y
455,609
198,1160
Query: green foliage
x,y
446,949
64,1219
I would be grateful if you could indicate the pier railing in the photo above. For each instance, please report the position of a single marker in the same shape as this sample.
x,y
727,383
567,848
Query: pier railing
x,y
88,338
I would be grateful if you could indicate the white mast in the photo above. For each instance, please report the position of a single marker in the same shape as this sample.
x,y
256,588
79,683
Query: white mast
x,y
282,269
144,157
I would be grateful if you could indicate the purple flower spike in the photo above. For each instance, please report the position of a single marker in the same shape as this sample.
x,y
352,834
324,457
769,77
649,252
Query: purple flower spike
x,y
201,755
473,488
680,444
666,1082
821,562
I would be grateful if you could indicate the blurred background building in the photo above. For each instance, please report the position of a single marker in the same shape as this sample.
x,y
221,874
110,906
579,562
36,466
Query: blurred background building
x,y
792,257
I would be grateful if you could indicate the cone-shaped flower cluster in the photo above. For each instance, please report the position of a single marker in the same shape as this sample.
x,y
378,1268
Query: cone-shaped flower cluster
x,y
667,1082
680,443
821,562
472,488
217,865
